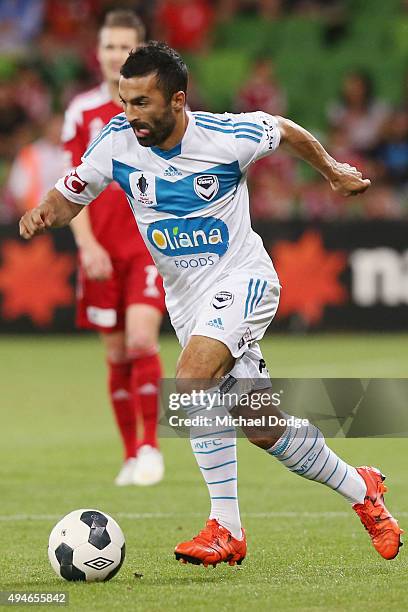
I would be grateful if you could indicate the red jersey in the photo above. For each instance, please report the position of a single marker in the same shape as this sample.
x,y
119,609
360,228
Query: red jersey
x,y
112,221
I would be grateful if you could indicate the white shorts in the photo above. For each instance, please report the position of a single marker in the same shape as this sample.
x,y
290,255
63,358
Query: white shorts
x,y
237,312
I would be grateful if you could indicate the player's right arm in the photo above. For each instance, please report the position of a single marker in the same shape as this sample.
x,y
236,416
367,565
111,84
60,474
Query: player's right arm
x,y
54,211
74,191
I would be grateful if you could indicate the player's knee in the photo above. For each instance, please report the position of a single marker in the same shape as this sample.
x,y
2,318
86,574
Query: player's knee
x,y
193,377
188,369
262,441
116,355
140,345
262,433
200,367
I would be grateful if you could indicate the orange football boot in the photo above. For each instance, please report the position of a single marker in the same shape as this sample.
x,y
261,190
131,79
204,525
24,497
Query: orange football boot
x,y
382,527
214,544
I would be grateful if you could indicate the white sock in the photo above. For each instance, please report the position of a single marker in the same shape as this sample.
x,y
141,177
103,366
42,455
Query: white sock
x,y
304,451
214,447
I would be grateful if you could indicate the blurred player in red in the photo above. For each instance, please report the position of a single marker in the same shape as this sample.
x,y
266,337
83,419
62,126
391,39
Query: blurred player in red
x,y
119,291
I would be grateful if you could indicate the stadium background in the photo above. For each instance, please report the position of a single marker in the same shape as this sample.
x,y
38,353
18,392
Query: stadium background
x,y
337,67
343,265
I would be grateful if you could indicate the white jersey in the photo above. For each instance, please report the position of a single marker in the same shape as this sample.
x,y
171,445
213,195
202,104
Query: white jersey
x,y
191,203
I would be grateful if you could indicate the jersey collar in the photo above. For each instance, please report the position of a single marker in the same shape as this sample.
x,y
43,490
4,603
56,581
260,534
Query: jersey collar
x,y
176,150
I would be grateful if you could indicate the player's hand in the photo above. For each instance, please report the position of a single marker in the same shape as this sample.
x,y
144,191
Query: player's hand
x,y
348,181
35,221
96,262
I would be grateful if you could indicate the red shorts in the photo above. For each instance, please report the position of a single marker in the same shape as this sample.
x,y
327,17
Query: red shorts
x,y
101,305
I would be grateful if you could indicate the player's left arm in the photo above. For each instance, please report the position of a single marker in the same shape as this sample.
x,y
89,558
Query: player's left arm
x,y
343,178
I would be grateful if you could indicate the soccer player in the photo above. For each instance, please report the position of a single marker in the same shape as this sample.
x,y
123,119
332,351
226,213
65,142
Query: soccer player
x,y
120,293
185,178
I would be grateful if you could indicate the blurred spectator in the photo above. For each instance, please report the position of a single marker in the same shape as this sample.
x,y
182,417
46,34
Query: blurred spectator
x,y
20,22
271,197
262,91
381,202
270,9
319,201
333,14
30,86
60,64
194,99
272,183
404,96
37,167
226,10
314,7
13,118
339,147
359,114
73,21
66,17
392,152
184,24
267,9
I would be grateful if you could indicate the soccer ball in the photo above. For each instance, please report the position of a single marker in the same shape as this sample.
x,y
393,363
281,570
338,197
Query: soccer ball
x,y
86,545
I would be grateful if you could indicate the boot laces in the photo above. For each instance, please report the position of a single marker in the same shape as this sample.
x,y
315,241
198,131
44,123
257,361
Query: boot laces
x,y
210,531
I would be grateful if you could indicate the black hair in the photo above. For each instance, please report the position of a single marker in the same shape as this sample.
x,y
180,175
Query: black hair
x,y
157,57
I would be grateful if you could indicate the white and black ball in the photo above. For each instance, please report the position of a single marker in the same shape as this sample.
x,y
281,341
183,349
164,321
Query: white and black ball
x,y
86,545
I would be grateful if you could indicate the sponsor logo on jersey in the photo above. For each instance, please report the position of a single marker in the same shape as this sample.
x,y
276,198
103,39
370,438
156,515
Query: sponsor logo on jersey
x,y
175,237
73,183
222,299
206,186
195,262
270,130
143,188
172,171
215,323
142,185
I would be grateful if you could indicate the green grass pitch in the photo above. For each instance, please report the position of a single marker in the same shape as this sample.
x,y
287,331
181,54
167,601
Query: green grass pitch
x,y
307,550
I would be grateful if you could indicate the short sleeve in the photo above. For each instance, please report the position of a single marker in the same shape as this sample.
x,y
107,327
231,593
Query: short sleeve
x,y
99,153
83,184
93,175
256,135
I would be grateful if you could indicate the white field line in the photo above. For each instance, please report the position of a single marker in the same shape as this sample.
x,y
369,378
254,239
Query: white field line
x,y
179,515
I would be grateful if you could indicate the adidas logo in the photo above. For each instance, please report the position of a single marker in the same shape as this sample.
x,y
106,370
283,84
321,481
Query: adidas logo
x,y
120,394
215,323
172,171
148,389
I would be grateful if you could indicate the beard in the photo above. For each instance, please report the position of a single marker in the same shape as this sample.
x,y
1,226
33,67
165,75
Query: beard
x,y
159,130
